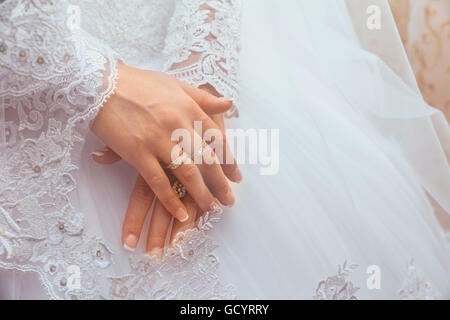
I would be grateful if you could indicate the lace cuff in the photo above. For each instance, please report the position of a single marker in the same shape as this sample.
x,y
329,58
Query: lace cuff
x,y
202,45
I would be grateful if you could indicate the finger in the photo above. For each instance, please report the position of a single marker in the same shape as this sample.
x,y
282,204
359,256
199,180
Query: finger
x,y
140,203
221,147
207,101
157,179
219,120
212,172
189,175
105,156
183,226
157,232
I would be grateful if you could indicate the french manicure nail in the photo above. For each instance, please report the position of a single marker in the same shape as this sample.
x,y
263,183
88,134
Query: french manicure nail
x,y
237,175
97,154
130,243
225,99
182,215
229,198
156,252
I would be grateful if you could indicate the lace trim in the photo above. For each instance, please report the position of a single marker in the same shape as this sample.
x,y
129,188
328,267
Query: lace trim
x,y
207,31
338,287
416,287
187,271
52,80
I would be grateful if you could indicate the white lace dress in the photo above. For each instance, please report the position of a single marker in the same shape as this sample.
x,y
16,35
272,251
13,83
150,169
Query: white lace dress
x,y
348,185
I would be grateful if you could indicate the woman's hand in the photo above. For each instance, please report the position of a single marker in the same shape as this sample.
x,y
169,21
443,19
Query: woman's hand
x,y
139,205
141,200
137,123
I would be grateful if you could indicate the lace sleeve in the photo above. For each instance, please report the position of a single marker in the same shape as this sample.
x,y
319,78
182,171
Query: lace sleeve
x,y
203,43
53,79
48,63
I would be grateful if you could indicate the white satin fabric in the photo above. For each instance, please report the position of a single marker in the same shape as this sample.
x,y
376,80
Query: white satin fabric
x,y
358,146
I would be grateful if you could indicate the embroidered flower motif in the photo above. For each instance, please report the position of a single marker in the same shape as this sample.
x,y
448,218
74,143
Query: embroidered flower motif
x,y
45,100
186,271
209,30
415,287
338,287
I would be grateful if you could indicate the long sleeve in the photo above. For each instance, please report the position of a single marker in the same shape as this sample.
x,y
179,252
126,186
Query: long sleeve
x,y
202,45
53,78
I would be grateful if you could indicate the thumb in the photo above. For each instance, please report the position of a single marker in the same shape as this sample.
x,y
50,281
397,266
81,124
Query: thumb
x,y
206,100
105,156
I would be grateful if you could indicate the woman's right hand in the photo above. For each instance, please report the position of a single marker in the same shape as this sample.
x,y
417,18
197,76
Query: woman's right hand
x,y
137,123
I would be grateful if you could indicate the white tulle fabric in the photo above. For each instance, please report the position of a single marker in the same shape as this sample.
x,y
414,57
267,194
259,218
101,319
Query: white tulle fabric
x,y
348,195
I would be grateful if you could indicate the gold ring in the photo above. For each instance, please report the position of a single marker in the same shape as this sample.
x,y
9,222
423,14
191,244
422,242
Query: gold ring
x,y
179,189
178,161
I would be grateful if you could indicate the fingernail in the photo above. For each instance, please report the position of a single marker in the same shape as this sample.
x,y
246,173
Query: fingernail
x,y
156,252
130,243
182,215
237,175
228,198
225,99
97,154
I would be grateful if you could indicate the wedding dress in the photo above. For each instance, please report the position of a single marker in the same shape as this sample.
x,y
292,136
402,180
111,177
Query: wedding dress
x,y
350,202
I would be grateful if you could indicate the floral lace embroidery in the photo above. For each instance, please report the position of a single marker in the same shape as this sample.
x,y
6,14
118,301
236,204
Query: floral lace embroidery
x,y
187,270
137,32
338,287
415,287
213,42
51,79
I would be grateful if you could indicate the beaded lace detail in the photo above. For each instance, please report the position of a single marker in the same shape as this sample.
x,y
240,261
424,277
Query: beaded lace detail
x,y
205,34
52,78
186,271
338,287
416,287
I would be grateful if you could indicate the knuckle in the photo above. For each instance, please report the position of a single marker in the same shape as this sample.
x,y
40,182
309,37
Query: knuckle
x,y
157,181
142,192
190,172
175,121
170,200
192,105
